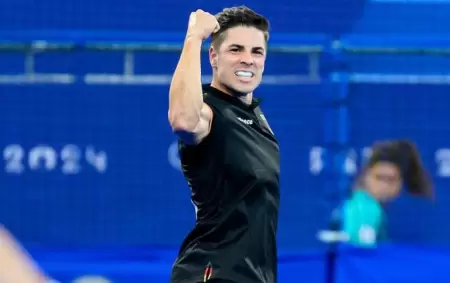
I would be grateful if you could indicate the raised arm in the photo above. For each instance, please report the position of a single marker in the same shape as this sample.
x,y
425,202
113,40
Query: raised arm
x,y
189,117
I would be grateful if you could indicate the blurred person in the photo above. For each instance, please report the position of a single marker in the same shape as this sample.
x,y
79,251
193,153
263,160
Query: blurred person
x,y
229,155
16,265
392,165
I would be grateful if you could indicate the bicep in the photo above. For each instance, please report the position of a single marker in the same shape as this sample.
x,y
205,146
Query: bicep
x,y
201,130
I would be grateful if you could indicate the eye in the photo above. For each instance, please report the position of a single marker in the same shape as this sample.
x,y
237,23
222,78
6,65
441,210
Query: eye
x,y
234,50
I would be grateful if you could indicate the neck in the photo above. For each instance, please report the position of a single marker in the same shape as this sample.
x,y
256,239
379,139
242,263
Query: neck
x,y
244,97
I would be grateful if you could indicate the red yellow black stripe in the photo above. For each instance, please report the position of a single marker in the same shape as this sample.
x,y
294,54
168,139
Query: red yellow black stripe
x,y
208,272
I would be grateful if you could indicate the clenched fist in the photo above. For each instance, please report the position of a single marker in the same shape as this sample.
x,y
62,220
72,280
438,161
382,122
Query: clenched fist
x,y
202,24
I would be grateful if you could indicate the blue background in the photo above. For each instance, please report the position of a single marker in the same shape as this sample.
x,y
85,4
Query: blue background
x,y
127,190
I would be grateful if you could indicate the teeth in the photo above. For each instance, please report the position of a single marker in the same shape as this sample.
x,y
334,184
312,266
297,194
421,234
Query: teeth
x,y
244,74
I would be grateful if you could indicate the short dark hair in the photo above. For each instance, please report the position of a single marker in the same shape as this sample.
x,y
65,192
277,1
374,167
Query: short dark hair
x,y
405,156
239,16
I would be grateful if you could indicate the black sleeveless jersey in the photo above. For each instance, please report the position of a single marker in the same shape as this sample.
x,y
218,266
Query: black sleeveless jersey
x,y
234,177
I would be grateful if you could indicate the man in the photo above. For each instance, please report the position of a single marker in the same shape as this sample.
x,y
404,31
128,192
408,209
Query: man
x,y
228,152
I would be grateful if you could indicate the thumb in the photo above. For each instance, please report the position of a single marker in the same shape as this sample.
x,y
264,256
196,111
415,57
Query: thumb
x,y
217,28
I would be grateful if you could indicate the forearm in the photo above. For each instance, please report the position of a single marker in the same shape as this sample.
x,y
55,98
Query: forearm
x,y
185,95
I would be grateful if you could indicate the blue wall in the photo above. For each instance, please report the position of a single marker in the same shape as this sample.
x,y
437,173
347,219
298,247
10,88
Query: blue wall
x,y
139,197
115,181
312,16
119,186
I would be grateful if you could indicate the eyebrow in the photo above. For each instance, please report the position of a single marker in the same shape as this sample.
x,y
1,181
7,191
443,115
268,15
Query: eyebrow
x,y
258,48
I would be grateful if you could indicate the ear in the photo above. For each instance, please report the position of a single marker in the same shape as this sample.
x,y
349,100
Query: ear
x,y
212,57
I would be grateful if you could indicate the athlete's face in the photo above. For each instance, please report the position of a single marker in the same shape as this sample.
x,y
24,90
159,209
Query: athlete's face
x,y
383,181
239,61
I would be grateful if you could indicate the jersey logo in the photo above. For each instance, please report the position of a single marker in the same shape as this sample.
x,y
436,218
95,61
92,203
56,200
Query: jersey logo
x,y
246,121
208,272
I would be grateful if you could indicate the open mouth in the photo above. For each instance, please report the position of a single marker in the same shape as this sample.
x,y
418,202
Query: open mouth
x,y
244,74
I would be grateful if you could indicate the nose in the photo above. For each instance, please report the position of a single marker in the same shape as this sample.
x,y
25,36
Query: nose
x,y
246,58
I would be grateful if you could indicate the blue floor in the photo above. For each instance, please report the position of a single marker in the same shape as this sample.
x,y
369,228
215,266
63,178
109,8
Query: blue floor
x,y
135,265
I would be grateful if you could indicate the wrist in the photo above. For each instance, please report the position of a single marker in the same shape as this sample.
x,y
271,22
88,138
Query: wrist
x,y
194,38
